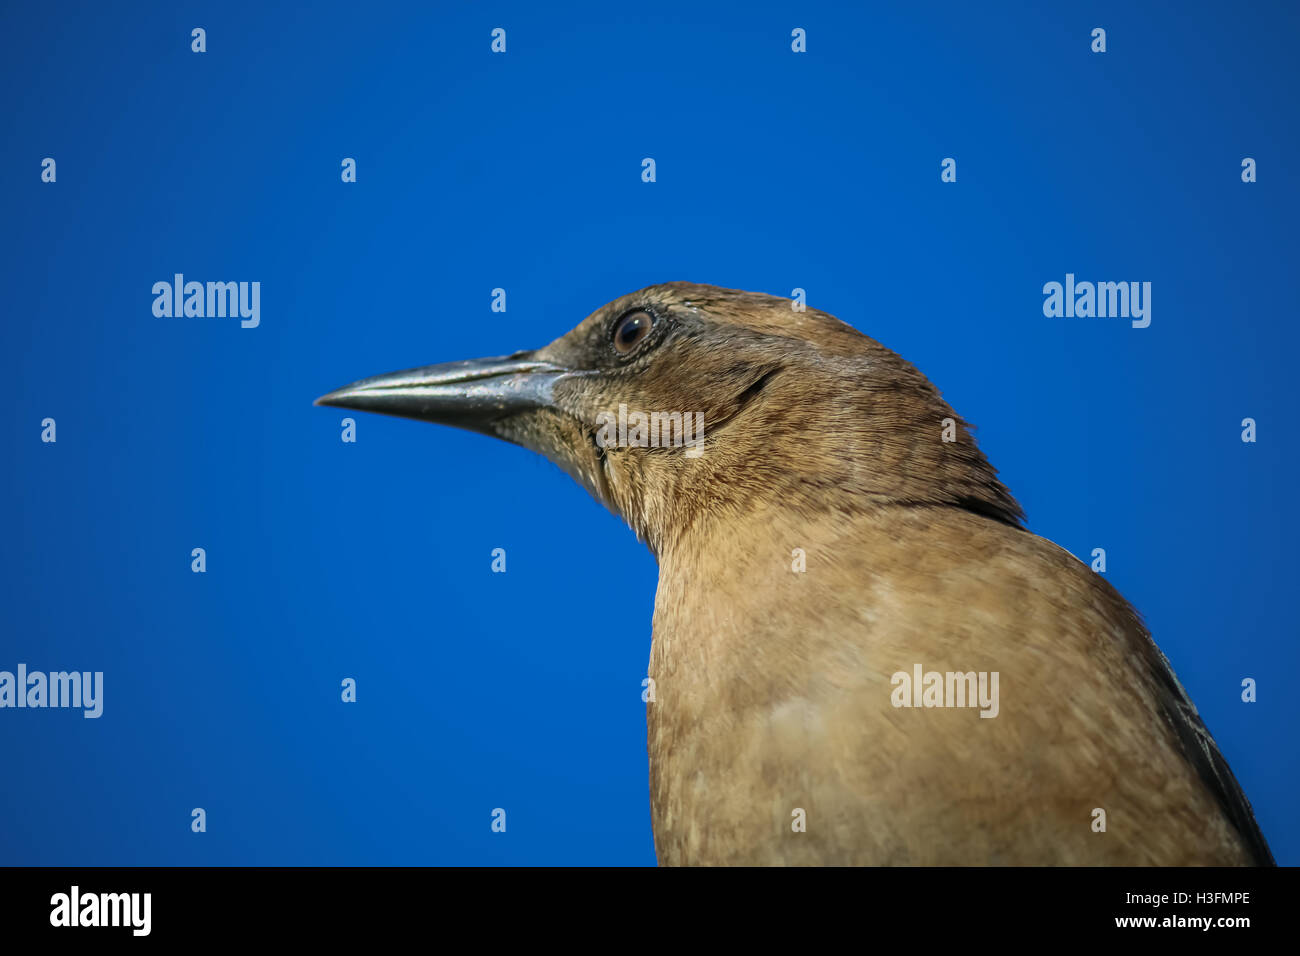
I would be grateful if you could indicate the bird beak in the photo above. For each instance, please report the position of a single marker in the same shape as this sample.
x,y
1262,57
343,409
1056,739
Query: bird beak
x,y
472,395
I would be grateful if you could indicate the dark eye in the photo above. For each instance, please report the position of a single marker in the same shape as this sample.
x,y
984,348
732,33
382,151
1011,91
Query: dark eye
x,y
631,329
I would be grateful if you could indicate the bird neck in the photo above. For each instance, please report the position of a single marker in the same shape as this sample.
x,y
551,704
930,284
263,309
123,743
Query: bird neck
x,y
670,500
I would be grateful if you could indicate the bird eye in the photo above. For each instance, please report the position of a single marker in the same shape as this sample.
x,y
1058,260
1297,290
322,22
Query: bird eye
x,y
631,329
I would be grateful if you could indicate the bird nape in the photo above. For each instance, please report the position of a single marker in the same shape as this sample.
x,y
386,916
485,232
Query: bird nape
x,y
845,588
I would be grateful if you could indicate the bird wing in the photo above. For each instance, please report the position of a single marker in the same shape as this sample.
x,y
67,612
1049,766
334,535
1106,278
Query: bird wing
x,y
1203,753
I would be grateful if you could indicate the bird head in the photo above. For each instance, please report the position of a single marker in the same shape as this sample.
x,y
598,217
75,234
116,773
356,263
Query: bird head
x,y
682,404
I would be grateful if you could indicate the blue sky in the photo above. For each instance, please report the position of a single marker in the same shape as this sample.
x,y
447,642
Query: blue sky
x,y
521,171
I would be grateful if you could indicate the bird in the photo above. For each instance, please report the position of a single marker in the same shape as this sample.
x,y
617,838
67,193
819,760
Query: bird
x,y
829,535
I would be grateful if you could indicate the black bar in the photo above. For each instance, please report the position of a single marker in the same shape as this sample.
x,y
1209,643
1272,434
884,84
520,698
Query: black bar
x,y
334,906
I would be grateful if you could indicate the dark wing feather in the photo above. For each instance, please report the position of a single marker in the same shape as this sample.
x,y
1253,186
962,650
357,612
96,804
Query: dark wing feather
x,y
1204,755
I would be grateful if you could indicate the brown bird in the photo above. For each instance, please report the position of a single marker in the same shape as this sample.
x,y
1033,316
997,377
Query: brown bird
x,y
860,656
